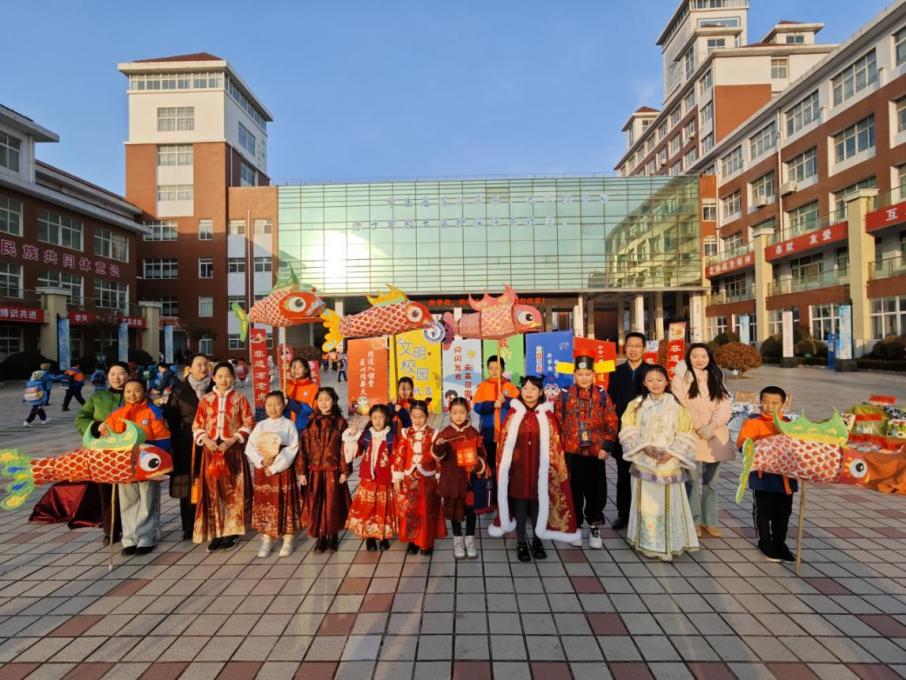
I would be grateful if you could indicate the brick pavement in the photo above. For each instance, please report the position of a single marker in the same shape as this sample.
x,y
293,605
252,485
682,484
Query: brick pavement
x,y
720,613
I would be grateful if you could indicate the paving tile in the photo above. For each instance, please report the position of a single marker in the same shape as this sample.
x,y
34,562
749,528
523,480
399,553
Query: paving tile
x,y
164,670
550,670
622,670
472,670
792,671
316,670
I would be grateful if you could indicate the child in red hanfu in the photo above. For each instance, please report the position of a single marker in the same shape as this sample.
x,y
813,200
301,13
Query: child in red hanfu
x,y
373,512
461,454
413,468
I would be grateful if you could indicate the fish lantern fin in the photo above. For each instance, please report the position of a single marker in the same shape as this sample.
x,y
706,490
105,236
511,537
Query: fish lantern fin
x,y
748,459
332,323
243,320
16,466
831,431
507,299
393,296
129,438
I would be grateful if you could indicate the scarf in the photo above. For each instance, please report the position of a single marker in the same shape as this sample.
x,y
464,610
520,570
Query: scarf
x,y
200,386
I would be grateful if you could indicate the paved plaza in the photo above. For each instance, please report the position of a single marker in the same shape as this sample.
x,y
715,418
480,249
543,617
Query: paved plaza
x,y
720,613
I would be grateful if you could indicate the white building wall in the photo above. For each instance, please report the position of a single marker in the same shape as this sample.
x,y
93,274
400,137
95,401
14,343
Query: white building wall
x,y
209,118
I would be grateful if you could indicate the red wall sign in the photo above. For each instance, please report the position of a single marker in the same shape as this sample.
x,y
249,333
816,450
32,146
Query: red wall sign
x,y
24,314
885,217
261,381
10,248
731,265
806,242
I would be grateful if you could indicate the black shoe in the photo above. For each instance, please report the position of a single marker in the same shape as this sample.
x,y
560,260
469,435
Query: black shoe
x,y
64,409
784,553
144,550
411,549
106,540
334,544
768,550
129,550
385,544
522,552
538,551
621,523
187,535
429,551
215,544
321,545
228,543
371,545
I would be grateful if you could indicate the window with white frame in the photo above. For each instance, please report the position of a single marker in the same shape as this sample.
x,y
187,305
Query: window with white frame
x,y
111,295
175,118
10,148
246,175
763,141
205,267
10,280
709,246
689,130
11,341
855,139
246,139
803,113
161,230
263,226
205,230
899,46
888,316
690,157
236,265
717,325
175,81
73,283
674,144
174,154
716,43
843,195
263,264
160,268
803,167
662,131
855,77
175,192
804,218
676,168
236,227
775,320
650,169
206,345
732,204
236,300
708,143
807,268
779,68
675,116
662,157
109,244
901,114
795,39
707,112
234,341
169,306
732,162
704,85
205,306
736,287
689,60
689,101
709,211
901,180
60,230
730,243
649,144
763,188
10,216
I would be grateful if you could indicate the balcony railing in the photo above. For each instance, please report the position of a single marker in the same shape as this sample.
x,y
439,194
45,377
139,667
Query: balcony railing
x,y
806,226
743,249
884,269
827,279
723,297
23,298
895,195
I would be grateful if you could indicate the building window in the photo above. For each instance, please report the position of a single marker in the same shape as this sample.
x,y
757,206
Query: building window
x,y
246,139
59,230
160,268
690,157
246,175
161,230
709,247
763,188
11,341
719,22
802,114
234,342
174,192
205,230
707,142
803,167
674,144
263,264
205,267
10,280
662,157
775,320
237,300
689,101
73,283
808,268
763,141
707,112
10,216
206,345
236,227
842,196
175,81
675,116
825,320
732,205
172,118
732,162
689,61
888,316
704,85
205,307
716,43
9,151
901,114
709,212
779,68
111,295
263,226
174,154
737,288
730,243
795,39
901,177
859,75
899,44
689,130
804,218
236,265
717,325
855,139
169,306
109,244
676,168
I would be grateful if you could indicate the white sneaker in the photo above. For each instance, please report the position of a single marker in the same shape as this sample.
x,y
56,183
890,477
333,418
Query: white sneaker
x,y
45,421
578,542
265,548
594,539
287,549
471,550
27,424
459,548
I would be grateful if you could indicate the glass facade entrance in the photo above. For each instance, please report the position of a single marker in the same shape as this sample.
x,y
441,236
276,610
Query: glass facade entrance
x,y
568,234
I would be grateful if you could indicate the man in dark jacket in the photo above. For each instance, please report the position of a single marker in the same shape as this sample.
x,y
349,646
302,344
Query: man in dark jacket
x,y
623,388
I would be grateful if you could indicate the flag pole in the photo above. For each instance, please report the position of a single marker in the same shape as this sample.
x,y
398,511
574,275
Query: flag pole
x,y
801,525
112,525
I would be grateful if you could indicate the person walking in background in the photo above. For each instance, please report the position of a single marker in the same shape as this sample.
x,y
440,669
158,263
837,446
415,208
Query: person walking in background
x,y
342,363
35,397
75,381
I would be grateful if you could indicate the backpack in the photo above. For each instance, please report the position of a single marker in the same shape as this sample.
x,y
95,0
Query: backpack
x,y
33,393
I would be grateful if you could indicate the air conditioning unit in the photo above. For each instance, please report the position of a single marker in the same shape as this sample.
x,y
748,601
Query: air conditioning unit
x,y
760,202
788,188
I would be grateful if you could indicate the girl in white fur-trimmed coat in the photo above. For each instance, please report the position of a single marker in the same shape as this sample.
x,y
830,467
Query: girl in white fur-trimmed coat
x,y
532,478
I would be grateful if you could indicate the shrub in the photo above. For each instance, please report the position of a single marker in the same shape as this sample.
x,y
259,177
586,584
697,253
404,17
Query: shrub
x,y
809,347
736,356
892,347
881,364
772,347
21,365
724,338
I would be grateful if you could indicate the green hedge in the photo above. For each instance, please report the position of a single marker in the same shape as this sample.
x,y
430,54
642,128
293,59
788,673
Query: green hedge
x,y
881,364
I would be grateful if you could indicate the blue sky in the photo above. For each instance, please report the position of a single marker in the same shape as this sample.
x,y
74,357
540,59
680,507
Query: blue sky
x,y
372,90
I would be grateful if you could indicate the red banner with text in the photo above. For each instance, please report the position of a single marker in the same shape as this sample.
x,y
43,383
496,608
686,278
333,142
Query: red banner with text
x,y
676,346
604,354
261,381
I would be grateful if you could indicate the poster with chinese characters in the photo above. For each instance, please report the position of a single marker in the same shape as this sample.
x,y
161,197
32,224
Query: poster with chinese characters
x,y
122,341
676,346
605,356
285,354
261,382
64,347
418,355
367,360
462,369
651,352
550,356
512,350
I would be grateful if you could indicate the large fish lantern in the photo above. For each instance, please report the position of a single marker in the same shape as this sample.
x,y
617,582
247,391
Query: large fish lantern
x,y
287,304
390,313
495,318
114,459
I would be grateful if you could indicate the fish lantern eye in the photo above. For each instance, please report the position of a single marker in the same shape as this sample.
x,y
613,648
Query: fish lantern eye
x,y
414,314
858,468
149,462
526,318
296,304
